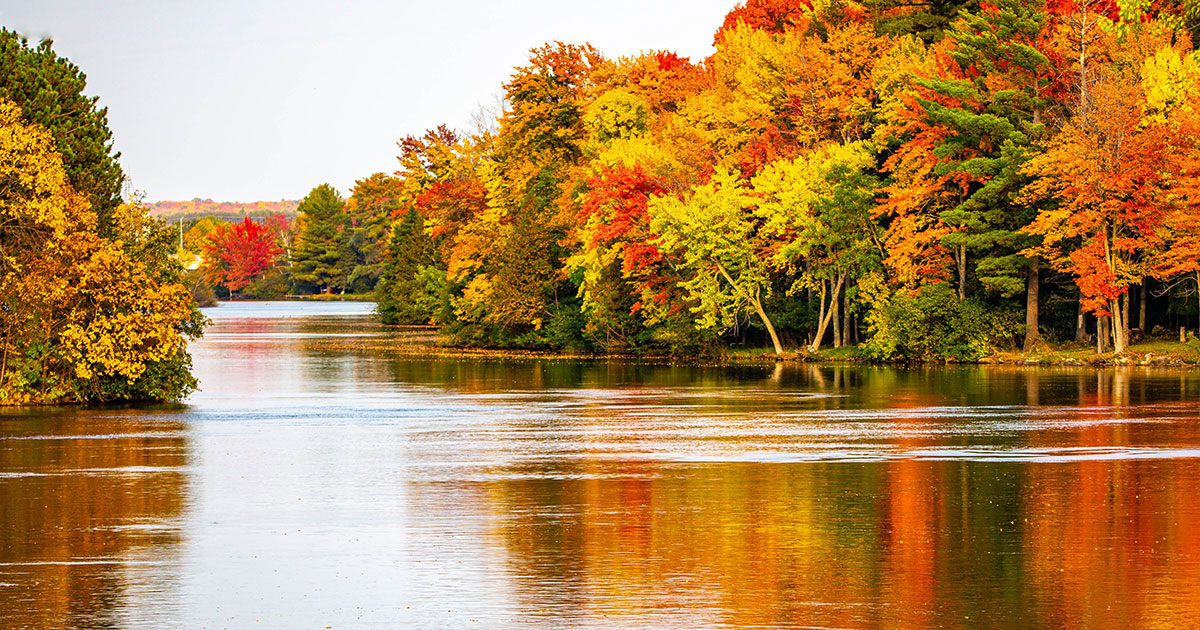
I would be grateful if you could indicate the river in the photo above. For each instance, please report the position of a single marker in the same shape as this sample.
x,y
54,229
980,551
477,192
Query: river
x,y
319,479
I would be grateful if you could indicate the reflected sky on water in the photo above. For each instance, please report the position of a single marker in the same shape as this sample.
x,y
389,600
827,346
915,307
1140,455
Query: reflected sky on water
x,y
321,478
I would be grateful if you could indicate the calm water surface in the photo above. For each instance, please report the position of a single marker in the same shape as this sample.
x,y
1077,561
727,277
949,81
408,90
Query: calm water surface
x,y
319,480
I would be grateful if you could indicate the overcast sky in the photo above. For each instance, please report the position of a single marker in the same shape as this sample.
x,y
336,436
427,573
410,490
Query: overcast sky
x,y
248,100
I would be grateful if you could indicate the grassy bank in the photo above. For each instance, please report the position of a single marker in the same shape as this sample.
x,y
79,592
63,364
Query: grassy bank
x,y
1148,352
1158,351
425,342
331,297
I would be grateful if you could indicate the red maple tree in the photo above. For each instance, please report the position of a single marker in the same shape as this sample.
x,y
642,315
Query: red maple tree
x,y
236,253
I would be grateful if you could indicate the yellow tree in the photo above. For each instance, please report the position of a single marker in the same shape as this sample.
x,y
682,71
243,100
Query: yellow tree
x,y
774,93
717,240
1171,82
83,317
818,208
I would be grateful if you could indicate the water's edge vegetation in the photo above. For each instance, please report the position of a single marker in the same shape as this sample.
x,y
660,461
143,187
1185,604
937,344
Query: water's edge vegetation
x,y
92,304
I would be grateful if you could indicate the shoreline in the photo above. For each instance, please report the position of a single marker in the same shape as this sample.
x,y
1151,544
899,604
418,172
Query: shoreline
x,y
430,346
1160,351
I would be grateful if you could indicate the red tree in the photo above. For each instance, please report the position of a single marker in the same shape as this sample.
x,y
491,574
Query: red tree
x,y
773,16
236,253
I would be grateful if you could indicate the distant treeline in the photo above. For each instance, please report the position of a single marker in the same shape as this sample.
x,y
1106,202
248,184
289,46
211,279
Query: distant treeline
x,y
199,208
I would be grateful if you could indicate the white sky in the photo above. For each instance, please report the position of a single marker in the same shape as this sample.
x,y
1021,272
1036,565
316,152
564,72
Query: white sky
x,y
249,100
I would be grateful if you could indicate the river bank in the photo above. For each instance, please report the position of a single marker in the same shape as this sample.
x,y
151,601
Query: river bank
x,y
425,341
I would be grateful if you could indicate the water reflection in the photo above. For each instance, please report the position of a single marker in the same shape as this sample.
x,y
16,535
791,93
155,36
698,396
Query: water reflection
x,y
324,478
90,509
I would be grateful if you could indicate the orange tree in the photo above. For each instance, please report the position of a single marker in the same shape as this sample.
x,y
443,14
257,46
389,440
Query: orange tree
x,y
1113,177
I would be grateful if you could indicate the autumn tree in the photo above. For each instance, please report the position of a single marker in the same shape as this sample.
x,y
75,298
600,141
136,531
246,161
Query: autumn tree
x,y
1171,83
1112,174
717,240
818,208
771,16
509,255
373,203
84,317
284,231
235,254
620,265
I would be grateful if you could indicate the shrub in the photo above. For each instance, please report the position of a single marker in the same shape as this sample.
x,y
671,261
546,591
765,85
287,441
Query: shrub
x,y
932,324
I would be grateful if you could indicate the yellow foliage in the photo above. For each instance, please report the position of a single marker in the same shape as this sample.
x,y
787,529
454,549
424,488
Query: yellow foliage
x,y
789,188
1170,81
74,307
617,114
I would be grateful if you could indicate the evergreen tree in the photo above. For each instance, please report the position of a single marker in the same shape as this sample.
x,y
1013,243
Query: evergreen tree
x,y
928,20
402,296
992,108
49,91
319,246
349,269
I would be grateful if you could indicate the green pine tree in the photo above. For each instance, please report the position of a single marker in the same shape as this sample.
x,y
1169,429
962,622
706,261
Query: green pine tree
x,y
49,91
404,296
319,245
1002,96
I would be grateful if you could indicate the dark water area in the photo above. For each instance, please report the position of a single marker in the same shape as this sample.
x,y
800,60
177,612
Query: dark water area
x,y
318,480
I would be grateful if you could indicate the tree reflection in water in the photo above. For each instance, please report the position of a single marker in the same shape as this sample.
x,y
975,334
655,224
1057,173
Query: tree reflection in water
x,y
90,515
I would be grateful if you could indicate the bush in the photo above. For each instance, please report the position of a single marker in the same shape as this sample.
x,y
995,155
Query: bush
x,y
271,285
932,324
564,330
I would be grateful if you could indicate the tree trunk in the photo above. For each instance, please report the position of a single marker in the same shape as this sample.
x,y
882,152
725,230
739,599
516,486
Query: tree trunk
x,y
962,272
1142,309
836,307
1080,322
846,317
756,301
827,314
1123,329
1101,334
1120,337
820,331
1031,306
767,322
4,363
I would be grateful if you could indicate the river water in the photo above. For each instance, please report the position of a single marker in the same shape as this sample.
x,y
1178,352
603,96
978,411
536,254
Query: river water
x,y
320,479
